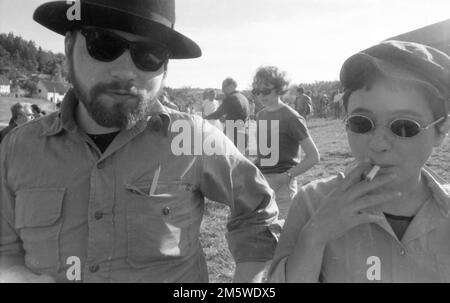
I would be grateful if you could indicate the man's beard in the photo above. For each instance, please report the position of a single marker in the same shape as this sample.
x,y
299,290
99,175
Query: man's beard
x,y
112,113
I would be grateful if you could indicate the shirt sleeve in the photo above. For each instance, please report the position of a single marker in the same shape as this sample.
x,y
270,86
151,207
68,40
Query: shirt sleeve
x,y
298,216
11,251
228,177
298,129
222,110
304,204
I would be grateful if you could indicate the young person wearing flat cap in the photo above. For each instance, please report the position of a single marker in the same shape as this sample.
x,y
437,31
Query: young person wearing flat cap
x,y
395,227
106,188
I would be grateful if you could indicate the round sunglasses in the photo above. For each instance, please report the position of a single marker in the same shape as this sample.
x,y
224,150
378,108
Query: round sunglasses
x,y
401,127
106,46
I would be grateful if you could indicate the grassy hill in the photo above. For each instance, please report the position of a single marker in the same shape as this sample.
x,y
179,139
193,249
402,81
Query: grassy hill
x,y
7,102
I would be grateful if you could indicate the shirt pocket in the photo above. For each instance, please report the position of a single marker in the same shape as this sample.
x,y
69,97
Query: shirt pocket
x,y
37,219
164,225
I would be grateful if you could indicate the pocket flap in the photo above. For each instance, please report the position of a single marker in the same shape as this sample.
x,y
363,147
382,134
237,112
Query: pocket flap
x,y
38,207
162,188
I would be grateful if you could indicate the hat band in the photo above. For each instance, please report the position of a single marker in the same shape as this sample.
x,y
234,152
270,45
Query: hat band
x,y
152,16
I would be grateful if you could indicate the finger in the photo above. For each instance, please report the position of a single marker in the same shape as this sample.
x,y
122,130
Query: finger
x,y
364,188
372,200
351,166
354,176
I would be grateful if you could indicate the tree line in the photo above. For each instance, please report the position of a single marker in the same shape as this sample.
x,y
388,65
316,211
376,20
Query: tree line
x,y
22,61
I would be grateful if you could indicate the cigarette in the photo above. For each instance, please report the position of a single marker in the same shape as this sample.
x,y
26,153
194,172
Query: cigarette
x,y
373,172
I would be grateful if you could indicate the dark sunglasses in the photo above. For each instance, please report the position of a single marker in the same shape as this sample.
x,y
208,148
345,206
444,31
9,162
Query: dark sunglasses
x,y
402,127
106,46
264,91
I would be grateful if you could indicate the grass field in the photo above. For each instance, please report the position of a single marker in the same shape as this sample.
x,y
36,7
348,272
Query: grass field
x,y
331,141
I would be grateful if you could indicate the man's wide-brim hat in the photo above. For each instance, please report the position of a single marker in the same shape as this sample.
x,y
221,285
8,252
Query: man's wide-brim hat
x,y
154,19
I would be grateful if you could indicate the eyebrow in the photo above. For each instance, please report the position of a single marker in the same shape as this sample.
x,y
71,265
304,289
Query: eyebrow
x,y
361,110
408,112
397,112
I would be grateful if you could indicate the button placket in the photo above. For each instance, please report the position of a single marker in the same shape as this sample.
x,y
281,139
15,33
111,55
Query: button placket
x,y
166,211
101,165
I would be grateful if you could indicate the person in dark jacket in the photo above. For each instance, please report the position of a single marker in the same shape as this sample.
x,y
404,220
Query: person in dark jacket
x,y
235,109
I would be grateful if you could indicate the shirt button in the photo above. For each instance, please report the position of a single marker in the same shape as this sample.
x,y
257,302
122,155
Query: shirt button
x,y
166,211
94,268
101,165
402,252
98,215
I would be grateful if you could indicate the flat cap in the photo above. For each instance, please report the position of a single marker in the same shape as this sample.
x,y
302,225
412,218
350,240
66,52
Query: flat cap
x,y
400,60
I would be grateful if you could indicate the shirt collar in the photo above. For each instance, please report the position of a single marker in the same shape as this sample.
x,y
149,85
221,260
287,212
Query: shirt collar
x,y
158,121
440,190
435,209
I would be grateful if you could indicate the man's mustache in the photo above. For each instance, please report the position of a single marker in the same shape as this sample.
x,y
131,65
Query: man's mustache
x,y
127,87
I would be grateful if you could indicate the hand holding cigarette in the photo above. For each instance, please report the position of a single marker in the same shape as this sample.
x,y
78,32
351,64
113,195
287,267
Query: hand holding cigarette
x,y
343,208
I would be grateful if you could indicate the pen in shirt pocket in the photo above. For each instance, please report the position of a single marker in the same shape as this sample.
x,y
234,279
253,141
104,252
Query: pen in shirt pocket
x,y
155,180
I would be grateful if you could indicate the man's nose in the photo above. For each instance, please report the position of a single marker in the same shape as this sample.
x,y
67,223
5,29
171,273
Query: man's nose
x,y
380,140
123,68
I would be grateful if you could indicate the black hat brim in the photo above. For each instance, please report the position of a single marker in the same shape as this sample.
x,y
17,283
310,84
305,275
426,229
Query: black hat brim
x,y
53,15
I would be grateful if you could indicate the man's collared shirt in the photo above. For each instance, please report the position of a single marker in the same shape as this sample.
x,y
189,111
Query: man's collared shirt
x,y
372,252
132,213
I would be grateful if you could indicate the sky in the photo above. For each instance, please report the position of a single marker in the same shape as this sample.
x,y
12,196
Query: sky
x,y
308,39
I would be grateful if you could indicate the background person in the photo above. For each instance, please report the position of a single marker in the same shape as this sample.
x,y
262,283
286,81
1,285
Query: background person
x,y
338,104
37,111
303,103
396,100
165,100
252,109
20,113
269,83
234,107
209,106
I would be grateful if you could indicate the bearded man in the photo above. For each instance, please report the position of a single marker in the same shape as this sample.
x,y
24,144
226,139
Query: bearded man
x,y
107,199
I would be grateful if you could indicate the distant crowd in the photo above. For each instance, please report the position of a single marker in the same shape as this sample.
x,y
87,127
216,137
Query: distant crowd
x,y
21,112
308,103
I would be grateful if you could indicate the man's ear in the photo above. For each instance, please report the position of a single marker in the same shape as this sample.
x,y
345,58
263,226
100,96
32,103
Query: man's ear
x,y
69,45
444,128
69,41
